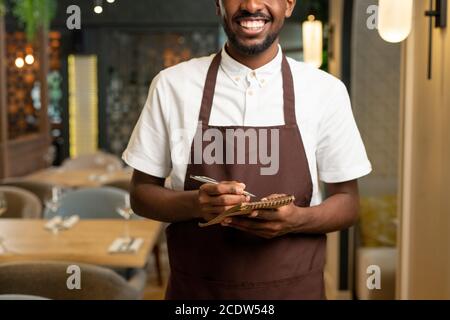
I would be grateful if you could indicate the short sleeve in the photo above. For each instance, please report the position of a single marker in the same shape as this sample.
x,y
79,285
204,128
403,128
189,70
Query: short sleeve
x,y
341,155
148,149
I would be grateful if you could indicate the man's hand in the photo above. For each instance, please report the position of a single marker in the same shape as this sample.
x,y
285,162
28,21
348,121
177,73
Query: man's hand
x,y
268,223
214,199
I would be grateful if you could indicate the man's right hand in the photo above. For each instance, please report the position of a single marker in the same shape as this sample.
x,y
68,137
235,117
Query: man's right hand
x,y
214,199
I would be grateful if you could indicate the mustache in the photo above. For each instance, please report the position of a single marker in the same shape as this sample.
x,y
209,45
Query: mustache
x,y
245,14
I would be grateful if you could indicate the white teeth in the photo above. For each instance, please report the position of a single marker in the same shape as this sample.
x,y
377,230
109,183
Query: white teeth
x,y
252,24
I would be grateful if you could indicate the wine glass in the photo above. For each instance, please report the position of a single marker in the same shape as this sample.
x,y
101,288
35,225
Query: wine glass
x,y
53,204
126,212
3,209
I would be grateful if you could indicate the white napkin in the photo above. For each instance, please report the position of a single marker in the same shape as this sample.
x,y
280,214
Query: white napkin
x,y
53,223
58,223
70,222
136,245
123,245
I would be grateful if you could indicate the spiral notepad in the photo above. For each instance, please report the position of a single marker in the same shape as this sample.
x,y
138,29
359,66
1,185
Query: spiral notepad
x,y
247,208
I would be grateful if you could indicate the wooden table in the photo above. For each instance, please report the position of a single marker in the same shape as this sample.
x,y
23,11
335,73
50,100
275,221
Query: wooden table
x,y
79,178
87,242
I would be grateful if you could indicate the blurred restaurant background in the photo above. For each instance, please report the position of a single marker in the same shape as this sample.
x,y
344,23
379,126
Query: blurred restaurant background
x,y
72,90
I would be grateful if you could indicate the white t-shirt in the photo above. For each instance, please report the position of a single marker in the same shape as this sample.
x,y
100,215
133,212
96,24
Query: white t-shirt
x,y
161,142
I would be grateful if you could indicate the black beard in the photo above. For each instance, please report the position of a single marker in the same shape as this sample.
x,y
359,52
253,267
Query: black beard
x,y
249,50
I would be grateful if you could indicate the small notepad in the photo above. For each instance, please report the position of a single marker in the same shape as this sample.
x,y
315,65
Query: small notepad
x,y
247,208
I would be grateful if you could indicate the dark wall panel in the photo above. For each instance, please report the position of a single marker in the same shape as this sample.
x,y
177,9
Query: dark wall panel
x,y
166,12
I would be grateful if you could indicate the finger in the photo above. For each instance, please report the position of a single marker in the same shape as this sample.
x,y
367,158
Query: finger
x,y
231,182
215,209
223,188
268,215
209,214
228,200
222,200
256,225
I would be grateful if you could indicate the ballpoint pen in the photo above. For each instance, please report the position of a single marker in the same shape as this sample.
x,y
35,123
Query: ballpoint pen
x,y
210,180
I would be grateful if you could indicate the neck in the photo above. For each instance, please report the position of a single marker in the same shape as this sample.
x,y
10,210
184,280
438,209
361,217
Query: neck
x,y
253,61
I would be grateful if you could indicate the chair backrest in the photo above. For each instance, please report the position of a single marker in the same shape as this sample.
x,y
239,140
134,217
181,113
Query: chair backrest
x,y
21,203
53,280
40,189
15,297
99,160
92,203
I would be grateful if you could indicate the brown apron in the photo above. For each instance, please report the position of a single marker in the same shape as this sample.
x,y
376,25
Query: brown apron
x,y
224,263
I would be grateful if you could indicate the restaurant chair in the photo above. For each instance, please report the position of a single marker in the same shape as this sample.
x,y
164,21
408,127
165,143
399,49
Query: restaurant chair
x,y
41,189
21,203
99,160
100,203
52,280
91,203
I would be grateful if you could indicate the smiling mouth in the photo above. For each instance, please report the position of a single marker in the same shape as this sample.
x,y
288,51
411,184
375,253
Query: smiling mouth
x,y
253,25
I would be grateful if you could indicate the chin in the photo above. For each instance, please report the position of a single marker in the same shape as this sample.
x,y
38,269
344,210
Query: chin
x,y
253,47
251,44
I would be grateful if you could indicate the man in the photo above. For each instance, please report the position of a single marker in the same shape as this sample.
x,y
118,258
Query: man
x,y
245,94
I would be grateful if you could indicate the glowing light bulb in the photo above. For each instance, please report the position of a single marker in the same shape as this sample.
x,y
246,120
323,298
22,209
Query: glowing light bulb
x,y
19,63
395,19
110,1
29,59
98,9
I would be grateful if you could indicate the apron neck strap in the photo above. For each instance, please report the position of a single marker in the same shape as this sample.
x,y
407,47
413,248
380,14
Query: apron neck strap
x,y
210,87
288,93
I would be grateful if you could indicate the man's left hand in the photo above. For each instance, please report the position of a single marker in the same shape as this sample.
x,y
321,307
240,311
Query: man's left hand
x,y
268,223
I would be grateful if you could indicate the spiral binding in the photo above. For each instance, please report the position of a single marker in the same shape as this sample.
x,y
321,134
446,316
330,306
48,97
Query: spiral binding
x,y
269,204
